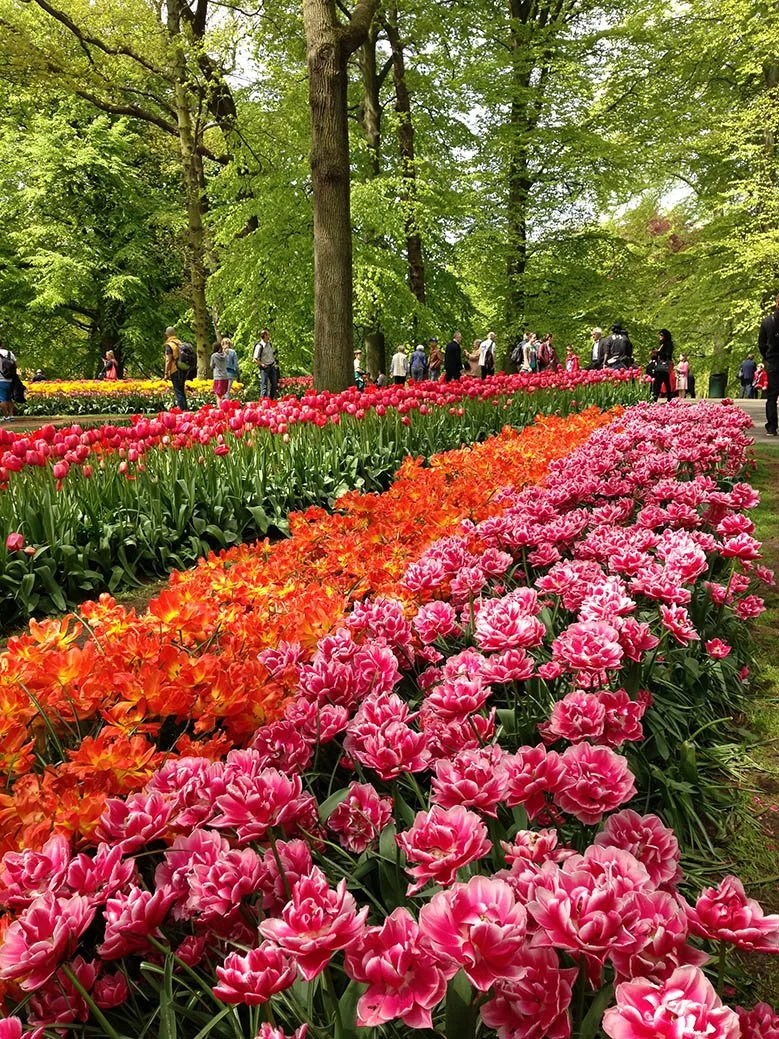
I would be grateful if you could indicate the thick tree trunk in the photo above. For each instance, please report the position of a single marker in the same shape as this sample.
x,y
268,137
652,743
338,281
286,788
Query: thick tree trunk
x,y
375,353
329,45
518,190
416,266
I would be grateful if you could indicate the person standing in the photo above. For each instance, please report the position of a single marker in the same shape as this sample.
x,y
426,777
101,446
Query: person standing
x,y
530,353
571,360
399,366
8,374
453,358
768,344
264,357
110,367
435,359
218,365
665,352
682,375
596,357
487,355
759,386
472,367
176,374
359,371
617,349
418,364
233,368
746,375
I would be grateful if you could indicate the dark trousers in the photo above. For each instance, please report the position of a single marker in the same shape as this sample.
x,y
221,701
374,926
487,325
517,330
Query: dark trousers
x,y
399,380
452,376
179,381
662,379
269,381
772,370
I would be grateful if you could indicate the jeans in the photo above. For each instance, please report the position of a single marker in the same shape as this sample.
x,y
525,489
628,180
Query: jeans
x,y
772,393
747,391
269,382
417,374
179,381
434,374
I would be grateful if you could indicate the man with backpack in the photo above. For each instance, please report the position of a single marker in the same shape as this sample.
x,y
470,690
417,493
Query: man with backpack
x,y
768,344
264,357
180,362
617,349
8,375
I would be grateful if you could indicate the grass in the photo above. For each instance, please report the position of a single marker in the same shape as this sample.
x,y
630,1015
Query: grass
x,y
754,842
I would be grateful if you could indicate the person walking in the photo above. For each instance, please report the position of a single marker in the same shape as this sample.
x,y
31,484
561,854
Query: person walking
x,y
453,358
435,359
175,369
665,351
399,366
768,344
8,375
682,375
487,355
110,367
596,354
530,353
617,349
746,376
544,353
233,368
418,364
759,386
218,365
571,360
264,357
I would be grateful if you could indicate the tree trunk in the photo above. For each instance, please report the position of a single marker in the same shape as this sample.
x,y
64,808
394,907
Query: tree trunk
x,y
375,353
329,45
408,172
193,186
370,109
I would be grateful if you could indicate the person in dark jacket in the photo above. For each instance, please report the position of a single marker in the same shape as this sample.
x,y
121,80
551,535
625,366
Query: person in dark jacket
x,y
768,345
617,350
665,351
746,376
453,358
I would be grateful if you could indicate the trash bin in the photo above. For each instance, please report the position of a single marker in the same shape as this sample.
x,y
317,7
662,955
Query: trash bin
x,y
717,383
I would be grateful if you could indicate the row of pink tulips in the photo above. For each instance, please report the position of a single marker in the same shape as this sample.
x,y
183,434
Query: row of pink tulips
x,y
439,833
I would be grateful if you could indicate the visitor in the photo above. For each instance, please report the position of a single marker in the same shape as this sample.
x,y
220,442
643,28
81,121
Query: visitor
x,y
617,349
435,360
768,344
682,375
596,356
8,375
359,371
176,374
662,375
530,353
264,357
39,376
746,376
571,360
760,385
418,364
487,356
233,368
399,366
518,351
545,356
453,358
472,368
218,365
110,367
381,380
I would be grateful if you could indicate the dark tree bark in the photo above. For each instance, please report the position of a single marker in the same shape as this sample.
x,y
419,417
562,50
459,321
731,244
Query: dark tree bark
x,y
329,45
408,171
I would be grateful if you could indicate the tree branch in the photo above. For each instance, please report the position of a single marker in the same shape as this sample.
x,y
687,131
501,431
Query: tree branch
x,y
356,31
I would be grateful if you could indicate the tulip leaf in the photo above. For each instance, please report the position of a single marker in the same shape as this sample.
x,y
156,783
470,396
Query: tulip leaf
x,y
461,1012
592,1018
329,806
167,1010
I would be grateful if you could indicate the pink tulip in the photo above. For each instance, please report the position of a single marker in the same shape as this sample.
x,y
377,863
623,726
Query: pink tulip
x,y
759,1023
725,914
648,840
316,922
510,622
283,867
588,646
683,1005
479,927
436,620
25,875
252,979
14,542
44,936
255,804
578,716
403,977
535,1005
661,932
475,779
131,918
268,1031
135,822
532,774
441,841
594,781
360,817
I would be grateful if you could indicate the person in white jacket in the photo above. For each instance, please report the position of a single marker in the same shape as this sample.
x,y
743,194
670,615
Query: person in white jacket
x,y
487,355
399,366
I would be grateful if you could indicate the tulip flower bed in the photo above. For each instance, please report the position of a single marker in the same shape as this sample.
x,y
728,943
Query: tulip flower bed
x,y
116,692
106,397
82,510
441,829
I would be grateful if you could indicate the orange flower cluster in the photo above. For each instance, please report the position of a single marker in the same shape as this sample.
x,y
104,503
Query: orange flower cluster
x,y
92,704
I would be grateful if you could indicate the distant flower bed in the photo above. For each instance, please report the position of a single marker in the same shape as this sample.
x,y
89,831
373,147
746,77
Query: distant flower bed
x,y
106,397
440,829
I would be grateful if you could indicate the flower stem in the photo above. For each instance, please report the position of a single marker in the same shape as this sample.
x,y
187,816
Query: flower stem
x,y
723,953
100,1017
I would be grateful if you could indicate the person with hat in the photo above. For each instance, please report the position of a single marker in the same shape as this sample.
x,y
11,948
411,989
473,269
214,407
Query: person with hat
x,y
435,360
617,349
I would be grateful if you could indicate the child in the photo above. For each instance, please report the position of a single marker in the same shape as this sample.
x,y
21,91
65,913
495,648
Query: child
x,y
682,371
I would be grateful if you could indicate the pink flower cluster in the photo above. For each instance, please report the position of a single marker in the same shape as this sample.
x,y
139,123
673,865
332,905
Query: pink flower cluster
x,y
400,772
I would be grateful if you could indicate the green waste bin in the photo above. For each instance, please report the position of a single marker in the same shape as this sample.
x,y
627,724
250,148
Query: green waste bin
x,y
717,383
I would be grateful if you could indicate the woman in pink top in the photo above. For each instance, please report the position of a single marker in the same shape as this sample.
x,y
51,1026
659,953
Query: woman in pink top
x,y
682,371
